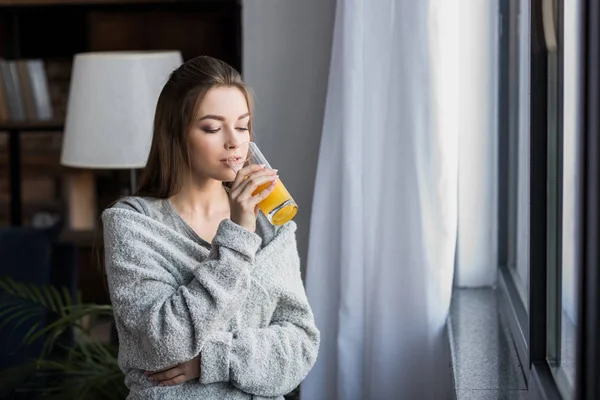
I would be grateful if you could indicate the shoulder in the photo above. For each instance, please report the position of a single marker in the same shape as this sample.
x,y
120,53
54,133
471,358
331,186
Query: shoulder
x,y
126,211
143,205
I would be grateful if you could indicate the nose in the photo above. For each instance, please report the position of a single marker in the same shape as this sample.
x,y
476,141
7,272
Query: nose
x,y
232,144
232,141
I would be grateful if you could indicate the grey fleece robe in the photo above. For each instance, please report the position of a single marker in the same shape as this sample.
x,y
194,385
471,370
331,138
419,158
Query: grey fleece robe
x,y
238,303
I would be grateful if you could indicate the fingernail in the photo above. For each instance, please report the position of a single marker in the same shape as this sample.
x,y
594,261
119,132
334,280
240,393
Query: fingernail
x,y
275,170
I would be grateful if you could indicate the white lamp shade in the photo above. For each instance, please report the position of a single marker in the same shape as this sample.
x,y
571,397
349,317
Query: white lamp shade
x,y
110,111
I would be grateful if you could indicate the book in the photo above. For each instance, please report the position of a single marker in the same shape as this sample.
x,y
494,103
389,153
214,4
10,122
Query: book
x,y
10,79
39,86
24,91
4,112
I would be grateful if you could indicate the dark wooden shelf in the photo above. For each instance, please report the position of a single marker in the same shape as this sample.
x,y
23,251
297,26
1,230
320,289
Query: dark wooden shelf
x,y
50,203
49,125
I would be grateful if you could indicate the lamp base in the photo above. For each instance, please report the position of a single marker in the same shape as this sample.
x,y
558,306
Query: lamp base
x,y
81,194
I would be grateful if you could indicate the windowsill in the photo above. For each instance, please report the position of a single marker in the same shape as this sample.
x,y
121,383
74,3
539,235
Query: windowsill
x,y
568,349
484,357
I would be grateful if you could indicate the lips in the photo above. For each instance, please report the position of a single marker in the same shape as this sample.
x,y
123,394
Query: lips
x,y
231,159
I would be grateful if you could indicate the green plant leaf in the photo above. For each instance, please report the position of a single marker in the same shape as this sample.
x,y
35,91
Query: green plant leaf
x,y
58,298
24,313
52,301
26,318
10,309
72,319
30,331
89,373
47,296
21,290
7,284
67,296
49,344
39,295
86,370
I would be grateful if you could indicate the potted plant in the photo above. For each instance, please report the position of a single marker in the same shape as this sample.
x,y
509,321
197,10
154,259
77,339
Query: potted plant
x,y
79,367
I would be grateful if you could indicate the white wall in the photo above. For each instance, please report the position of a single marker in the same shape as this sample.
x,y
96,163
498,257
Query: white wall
x,y
477,212
286,54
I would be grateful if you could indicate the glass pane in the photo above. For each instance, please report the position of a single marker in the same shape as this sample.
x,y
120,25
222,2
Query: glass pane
x,y
554,214
518,146
570,194
522,234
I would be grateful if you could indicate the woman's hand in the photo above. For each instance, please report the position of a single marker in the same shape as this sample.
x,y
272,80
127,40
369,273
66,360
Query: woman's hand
x,y
244,206
176,375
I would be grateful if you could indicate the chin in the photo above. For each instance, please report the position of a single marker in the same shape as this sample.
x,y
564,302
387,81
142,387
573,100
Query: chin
x,y
219,173
226,177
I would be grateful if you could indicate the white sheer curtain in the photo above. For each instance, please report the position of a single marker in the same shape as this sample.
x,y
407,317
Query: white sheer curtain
x,y
384,220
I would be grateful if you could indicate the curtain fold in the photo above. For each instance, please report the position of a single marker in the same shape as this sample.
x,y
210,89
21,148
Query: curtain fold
x,y
384,221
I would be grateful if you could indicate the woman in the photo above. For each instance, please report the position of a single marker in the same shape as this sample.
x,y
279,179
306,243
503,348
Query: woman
x,y
207,294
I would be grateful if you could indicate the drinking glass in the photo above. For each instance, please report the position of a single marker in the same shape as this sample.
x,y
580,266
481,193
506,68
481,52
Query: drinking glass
x,y
279,207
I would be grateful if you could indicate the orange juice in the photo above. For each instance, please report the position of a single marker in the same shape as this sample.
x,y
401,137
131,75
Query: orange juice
x,y
279,207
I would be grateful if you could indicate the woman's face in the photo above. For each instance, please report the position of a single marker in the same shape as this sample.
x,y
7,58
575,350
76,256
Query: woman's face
x,y
221,125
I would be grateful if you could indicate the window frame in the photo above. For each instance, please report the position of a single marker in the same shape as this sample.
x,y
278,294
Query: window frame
x,y
510,300
542,383
588,329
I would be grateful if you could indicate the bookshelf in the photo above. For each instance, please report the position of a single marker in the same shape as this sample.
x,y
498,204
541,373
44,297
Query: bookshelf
x,y
31,177
55,30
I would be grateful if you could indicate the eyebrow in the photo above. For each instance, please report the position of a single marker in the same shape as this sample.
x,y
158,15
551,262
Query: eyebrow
x,y
220,118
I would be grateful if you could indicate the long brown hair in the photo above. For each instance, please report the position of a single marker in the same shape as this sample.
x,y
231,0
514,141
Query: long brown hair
x,y
185,89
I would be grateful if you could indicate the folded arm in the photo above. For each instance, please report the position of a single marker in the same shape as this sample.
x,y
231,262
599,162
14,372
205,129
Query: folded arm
x,y
269,361
165,322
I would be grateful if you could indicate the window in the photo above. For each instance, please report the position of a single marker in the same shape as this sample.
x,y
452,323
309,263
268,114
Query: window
x,y
548,217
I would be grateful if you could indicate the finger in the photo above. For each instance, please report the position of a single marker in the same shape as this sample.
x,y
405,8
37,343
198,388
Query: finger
x,y
236,190
150,373
255,183
173,381
242,173
160,370
263,172
263,194
164,375
253,177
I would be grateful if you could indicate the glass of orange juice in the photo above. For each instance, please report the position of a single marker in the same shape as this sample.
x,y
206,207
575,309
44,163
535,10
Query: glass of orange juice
x,y
279,207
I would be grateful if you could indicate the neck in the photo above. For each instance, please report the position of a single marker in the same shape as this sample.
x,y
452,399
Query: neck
x,y
205,197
